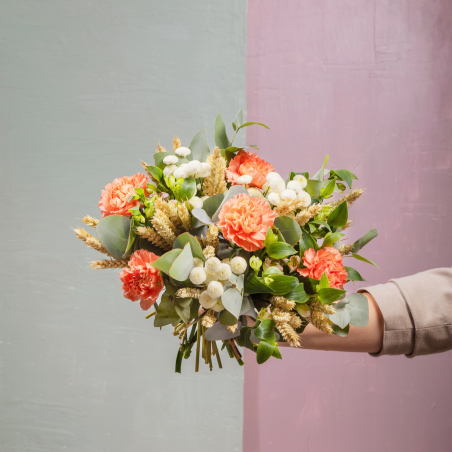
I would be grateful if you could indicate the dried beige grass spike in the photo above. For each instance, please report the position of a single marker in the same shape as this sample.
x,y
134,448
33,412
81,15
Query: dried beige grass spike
x,y
305,215
289,334
295,320
109,263
321,322
169,210
216,182
232,328
153,237
283,303
212,237
160,148
184,216
279,315
91,241
209,319
162,224
176,143
288,207
346,249
90,221
189,292
349,197
320,307
348,224
209,251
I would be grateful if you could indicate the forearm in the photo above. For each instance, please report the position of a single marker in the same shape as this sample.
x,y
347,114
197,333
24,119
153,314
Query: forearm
x,y
365,339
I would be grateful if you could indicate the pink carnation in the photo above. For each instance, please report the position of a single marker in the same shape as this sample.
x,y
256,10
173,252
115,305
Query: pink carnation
x,y
113,200
326,260
249,164
244,220
142,281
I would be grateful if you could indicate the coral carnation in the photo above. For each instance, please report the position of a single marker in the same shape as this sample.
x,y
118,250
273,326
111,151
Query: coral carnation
x,y
142,281
113,200
327,260
249,164
244,220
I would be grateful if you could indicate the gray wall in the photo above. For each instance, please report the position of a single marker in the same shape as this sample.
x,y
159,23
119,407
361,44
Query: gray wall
x,y
88,88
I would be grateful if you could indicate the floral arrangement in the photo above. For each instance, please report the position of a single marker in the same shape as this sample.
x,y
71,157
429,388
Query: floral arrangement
x,y
223,248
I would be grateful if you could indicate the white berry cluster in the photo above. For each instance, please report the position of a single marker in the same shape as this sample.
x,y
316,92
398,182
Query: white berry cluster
x,y
277,190
191,169
213,274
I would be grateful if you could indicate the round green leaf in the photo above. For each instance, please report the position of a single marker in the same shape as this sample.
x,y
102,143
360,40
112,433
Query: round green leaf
x,y
280,250
289,229
113,232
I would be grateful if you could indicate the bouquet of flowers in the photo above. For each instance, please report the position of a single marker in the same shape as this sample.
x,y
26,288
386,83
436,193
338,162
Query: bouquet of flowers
x,y
223,248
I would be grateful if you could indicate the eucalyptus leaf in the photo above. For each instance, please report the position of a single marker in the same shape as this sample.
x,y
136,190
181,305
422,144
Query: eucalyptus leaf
x,y
194,245
132,238
182,307
280,250
342,316
232,301
220,332
238,120
226,318
164,262
289,229
314,187
338,331
183,264
251,124
246,306
358,308
212,203
364,240
166,312
199,147
221,138
113,232
158,159
201,215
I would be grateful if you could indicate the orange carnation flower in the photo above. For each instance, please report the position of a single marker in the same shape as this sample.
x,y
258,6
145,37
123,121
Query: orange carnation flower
x,y
327,260
142,281
113,200
249,164
244,220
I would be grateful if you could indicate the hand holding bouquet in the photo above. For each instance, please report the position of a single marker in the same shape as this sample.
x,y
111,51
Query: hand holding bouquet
x,y
211,239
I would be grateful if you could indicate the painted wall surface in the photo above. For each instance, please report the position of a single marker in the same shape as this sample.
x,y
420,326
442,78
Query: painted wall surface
x,y
87,88
368,82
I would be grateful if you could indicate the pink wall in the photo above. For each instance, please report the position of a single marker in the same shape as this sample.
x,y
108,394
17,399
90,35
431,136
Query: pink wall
x,y
369,82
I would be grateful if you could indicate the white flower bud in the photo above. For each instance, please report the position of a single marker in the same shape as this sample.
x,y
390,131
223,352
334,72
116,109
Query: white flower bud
x,y
213,264
210,277
198,262
305,197
265,187
196,202
194,167
272,175
295,185
170,159
215,289
302,179
206,301
255,192
277,185
224,272
197,275
274,198
244,180
238,265
180,172
183,152
206,170
288,194
169,170
204,198
218,307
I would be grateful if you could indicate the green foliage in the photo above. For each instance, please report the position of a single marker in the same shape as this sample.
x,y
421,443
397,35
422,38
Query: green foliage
x,y
113,232
251,124
201,216
232,296
182,307
158,159
289,229
324,282
166,312
353,275
364,240
298,294
187,189
199,147
238,120
320,175
280,250
339,216
281,284
221,138
328,296
307,242
164,262
338,331
327,191
226,318
314,187
363,259
266,330
212,203
270,237
156,172
253,284
331,238
182,265
344,175
194,245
